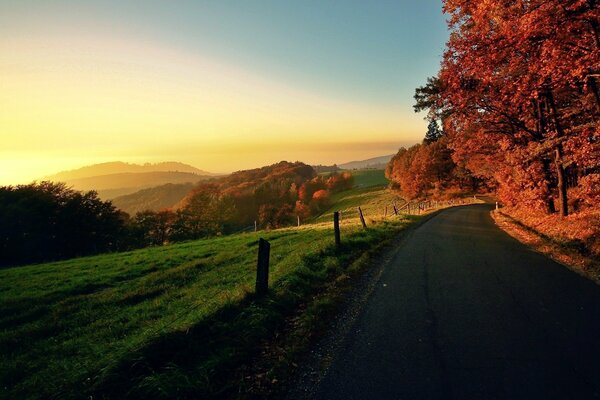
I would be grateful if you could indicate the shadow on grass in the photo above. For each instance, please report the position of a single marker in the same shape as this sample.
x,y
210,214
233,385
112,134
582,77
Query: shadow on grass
x,y
197,362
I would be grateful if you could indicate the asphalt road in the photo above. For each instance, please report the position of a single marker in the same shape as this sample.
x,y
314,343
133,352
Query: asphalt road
x,y
463,311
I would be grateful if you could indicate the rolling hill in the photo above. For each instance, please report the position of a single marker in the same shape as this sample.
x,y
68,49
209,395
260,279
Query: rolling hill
x,y
116,179
118,167
155,198
372,163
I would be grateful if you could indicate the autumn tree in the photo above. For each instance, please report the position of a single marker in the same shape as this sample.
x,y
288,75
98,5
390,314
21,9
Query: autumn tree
x,y
338,182
518,87
423,170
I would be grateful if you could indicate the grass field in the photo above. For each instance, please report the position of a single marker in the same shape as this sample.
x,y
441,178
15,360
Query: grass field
x,y
166,321
369,193
369,178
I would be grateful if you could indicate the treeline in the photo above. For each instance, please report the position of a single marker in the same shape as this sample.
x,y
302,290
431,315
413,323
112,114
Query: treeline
x,y
518,97
49,221
427,170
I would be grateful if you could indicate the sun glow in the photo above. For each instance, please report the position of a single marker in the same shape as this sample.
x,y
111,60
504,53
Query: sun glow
x,y
68,101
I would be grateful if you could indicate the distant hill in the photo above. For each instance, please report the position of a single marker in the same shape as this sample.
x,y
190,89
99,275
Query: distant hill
x,y
373,163
114,185
118,167
155,198
116,179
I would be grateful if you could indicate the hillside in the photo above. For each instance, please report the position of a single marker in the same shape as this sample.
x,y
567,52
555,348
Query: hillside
x,y
273,196
155,198
173,319
373,163
114,179
114,185
370,193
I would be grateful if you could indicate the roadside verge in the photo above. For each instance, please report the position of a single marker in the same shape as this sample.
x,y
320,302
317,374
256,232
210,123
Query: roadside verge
x,y
574,256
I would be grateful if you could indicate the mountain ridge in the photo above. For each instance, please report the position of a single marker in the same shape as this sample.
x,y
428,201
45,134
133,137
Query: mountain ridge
x,y
116,167
375,163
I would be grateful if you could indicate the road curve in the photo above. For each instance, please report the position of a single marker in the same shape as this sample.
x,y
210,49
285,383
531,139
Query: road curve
x,y
464,311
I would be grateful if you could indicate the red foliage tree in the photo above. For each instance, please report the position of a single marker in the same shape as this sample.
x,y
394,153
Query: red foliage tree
x,y
518,88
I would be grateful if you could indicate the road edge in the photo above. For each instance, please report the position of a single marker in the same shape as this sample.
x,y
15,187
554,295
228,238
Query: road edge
x,y
320,355
570,258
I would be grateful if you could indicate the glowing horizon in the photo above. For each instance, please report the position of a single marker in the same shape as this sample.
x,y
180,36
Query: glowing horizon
x,y
70,98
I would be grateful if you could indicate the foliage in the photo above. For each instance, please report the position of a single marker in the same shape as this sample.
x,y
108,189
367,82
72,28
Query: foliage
x,y
321,169
518,96
428,170
47,221
273,196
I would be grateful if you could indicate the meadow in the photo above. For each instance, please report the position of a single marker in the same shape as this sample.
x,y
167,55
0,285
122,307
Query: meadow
x,y
168,321
370,193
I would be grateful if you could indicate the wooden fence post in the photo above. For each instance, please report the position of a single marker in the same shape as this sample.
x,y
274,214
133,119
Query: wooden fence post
x,y
255,226
362,218
298,220
262,267
336,228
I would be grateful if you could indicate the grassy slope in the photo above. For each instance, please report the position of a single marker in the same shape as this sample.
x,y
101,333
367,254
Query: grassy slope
x,y
169,320
369,193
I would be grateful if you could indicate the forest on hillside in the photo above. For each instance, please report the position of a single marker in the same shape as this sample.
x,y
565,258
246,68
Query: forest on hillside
x,y
50,221
518,101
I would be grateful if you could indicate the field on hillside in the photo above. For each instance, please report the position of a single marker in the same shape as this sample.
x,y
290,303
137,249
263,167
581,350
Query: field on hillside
x,y
369,177
75,318
370,193
163,319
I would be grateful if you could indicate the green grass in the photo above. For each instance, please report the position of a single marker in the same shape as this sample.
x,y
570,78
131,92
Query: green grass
x,y
167,321
369,178
370,193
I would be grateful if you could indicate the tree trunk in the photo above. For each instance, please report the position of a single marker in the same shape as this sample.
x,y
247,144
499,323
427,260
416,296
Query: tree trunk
x,y
558,162
540,112
594,88
562,182
550,208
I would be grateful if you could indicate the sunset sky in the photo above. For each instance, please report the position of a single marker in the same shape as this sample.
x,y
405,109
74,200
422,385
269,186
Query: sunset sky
x,y
221,85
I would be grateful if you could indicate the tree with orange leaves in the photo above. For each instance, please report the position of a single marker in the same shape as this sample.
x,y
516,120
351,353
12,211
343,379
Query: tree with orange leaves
x,y
518,88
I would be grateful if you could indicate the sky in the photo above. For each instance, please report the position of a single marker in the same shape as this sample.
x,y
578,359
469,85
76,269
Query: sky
x,y
221,85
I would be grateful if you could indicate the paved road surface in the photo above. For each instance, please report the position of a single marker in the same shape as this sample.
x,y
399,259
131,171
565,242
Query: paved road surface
x,y
463,311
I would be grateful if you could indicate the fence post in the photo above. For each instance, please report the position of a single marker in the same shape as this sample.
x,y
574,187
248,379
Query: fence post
x,y
362,218
385,213
255,226
298,220
262,267
336,228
